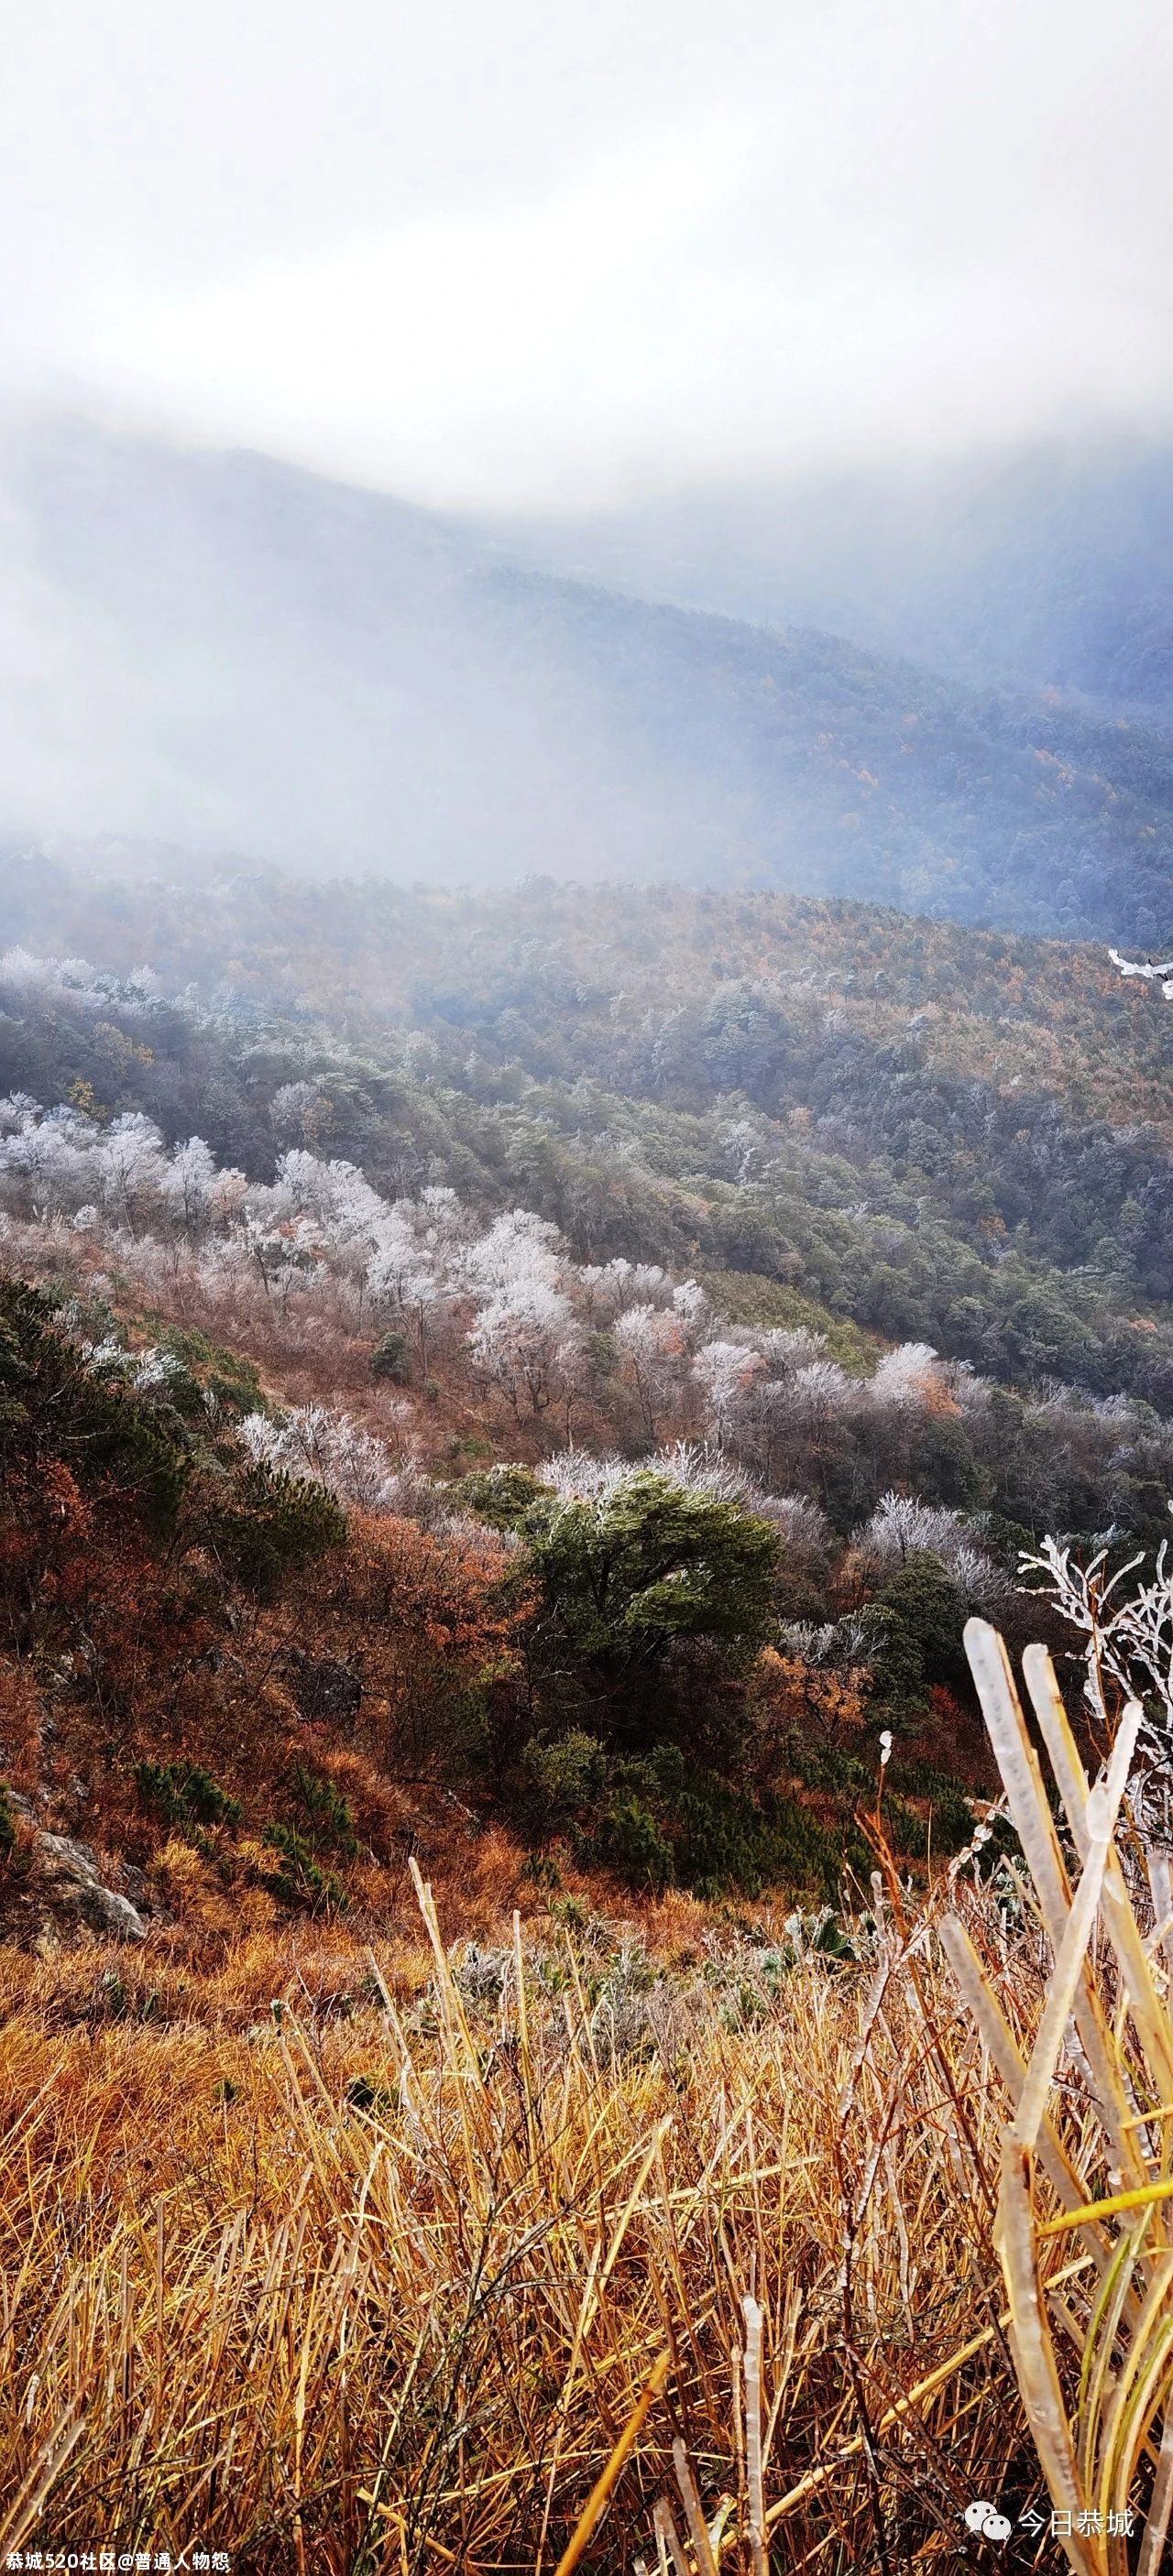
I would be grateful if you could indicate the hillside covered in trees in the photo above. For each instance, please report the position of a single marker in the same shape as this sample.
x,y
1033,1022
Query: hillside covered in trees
x,y
538,1236
1043,568
513,1415
932,1132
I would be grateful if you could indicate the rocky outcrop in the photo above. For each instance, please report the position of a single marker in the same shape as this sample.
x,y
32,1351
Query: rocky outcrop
x,y
57,1894
66,1881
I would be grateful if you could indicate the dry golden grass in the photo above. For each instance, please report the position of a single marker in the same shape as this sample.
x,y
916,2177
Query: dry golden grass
x,y
241,2310
587,2249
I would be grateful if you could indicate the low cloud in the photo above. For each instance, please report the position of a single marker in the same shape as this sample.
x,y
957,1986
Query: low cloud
x,y
589,261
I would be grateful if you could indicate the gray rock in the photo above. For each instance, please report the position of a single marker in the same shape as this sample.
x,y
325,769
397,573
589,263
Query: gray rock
x,y
66,1881
62,1853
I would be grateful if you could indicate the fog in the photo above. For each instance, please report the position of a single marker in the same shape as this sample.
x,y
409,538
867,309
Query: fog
x,y
226,654
1048,567
541,284
535,259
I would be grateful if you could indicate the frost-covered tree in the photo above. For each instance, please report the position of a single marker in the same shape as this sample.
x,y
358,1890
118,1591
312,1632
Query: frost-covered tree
x,y
517,1249
910,1377
291,1110
313,1441
187,1184
131,1167
527,1337
524,1340
901,1527
653,1347
725,1371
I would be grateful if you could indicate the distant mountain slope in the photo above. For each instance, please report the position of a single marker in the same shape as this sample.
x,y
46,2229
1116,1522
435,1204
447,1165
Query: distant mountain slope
x,y
225,653
848,775
1050,569
589,982
925,1131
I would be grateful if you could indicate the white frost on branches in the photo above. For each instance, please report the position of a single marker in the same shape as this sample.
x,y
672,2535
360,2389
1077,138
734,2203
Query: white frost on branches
x,y
1129,1632
900,1524
318,1253
910,1375
327,1448
653,1345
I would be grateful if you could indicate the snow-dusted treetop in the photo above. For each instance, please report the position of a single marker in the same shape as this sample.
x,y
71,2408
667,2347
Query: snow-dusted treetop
x,y
1146,967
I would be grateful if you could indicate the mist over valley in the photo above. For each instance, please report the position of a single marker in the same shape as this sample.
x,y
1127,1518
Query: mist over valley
x,y
218,652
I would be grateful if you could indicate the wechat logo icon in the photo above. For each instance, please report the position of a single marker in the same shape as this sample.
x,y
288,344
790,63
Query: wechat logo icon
x,y
986,2519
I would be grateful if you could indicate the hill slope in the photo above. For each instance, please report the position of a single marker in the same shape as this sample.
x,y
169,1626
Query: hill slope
x,y
1045,569
931,1131
224,652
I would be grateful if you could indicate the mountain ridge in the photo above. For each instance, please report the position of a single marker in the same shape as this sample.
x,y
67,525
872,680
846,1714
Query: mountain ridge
x,y
1042,568
229,653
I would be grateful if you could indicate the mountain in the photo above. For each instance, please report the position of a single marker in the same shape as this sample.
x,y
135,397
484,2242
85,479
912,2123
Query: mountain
x,y
919,1129
1045,570
228,654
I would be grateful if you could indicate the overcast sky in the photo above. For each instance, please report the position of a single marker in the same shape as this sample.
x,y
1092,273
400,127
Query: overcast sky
x,y
542,254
